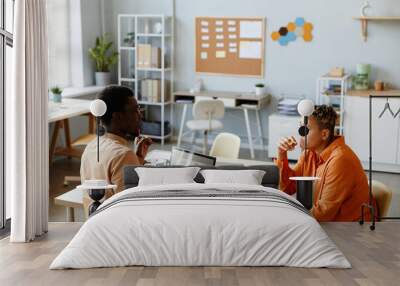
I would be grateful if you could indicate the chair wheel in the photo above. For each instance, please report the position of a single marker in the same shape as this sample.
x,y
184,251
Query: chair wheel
x,y
361,222
372,227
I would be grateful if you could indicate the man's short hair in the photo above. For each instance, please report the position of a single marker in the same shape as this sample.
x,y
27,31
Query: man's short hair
x,y
326,118
116,98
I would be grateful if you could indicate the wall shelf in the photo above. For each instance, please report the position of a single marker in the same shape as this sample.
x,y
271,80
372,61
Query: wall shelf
x,y
365,20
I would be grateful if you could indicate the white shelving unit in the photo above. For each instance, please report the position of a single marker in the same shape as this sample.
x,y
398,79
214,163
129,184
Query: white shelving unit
x,y
134,29
334,98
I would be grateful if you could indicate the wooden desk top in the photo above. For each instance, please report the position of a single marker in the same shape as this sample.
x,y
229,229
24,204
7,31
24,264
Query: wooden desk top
x,y
367,93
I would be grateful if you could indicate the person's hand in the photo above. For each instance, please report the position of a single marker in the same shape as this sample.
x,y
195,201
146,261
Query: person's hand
x,y
142,146
286,144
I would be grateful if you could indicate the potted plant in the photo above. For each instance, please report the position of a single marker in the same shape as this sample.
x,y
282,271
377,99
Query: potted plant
x,y
260,89
129,40
104,58
56,92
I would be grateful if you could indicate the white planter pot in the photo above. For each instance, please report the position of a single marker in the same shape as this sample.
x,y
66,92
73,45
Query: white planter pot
x,y
103,78
260,91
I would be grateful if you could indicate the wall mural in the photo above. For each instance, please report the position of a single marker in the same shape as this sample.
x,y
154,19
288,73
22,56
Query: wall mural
x,y
297,29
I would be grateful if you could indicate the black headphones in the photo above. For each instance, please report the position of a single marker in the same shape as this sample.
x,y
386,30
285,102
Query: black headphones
x,y
304,130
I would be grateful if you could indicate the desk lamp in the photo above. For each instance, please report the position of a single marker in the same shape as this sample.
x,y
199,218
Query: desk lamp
x,y
304,184
97,188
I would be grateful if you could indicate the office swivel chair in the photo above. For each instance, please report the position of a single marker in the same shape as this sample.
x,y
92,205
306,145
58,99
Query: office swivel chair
x,y
205,119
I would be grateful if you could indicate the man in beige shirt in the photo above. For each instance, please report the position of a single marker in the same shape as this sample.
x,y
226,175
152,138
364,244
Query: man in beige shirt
x,y
122,125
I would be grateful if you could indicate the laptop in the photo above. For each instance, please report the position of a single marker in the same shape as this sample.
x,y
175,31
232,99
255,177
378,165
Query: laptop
x,y
182,157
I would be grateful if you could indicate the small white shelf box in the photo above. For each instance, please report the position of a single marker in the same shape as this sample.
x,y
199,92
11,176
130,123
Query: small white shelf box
x,y
136,29
326,96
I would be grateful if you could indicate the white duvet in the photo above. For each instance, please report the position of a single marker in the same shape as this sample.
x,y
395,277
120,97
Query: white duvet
x,y
203,232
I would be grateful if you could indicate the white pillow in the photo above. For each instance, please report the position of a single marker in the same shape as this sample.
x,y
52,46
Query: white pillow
x,y
166,176
246,177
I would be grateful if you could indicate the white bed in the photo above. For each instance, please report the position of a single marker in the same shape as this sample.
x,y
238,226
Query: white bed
x,y
202,231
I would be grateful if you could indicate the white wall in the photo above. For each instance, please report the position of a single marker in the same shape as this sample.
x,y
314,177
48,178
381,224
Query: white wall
x,y
291,70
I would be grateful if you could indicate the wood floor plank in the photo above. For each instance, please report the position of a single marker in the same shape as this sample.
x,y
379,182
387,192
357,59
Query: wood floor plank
x,y
375,258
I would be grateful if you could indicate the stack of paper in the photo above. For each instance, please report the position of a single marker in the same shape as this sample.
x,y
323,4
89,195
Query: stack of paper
x,y
288,106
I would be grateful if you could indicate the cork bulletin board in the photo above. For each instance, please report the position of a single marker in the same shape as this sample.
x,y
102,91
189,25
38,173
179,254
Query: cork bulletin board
x,y
230,46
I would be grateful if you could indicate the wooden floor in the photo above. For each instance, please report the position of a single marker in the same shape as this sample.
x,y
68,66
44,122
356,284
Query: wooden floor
x,y
375,257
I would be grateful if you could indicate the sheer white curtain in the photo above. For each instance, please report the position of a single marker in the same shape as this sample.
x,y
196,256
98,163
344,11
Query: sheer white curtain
x,y
27,123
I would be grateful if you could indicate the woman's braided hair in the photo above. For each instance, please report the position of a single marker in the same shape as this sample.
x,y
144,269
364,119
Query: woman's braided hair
x,y
326,119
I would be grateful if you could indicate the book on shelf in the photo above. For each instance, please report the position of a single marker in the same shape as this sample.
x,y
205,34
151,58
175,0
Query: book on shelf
x,y
151,90
148,56
155,57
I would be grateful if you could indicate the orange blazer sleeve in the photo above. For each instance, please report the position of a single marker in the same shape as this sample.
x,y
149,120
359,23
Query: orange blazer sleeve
x,y
285,172
335,190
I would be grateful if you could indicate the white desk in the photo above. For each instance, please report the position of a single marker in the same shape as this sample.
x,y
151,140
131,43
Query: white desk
x,y
67,108
59,113
232,100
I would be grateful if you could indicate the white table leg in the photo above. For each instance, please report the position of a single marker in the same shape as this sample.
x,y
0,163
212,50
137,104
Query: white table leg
x,y
259,127
183,119
70,214
249,136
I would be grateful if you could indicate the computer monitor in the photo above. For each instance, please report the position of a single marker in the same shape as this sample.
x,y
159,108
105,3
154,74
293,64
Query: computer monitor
x,y
182,157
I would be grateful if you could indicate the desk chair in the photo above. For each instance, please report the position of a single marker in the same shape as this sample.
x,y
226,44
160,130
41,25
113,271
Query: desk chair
x,y
226,145
383,197
205,119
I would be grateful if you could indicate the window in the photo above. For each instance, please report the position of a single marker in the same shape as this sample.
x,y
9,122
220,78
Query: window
x,y
6,44
59,44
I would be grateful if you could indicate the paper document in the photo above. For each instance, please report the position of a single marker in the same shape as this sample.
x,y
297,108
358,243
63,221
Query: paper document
x,y
220,54
203,55
250,50
251,29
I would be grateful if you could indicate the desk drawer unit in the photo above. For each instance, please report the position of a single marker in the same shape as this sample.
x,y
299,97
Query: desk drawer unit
x,y
228,102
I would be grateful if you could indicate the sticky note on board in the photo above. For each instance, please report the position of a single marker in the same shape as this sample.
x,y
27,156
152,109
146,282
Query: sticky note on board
x,y
204,30
251,29
233,44
220,45
220,54
220,37
231,22
233,50
219,30
205,38
232,29
204,23
250,50
205,45
203,55
219,23
232,36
